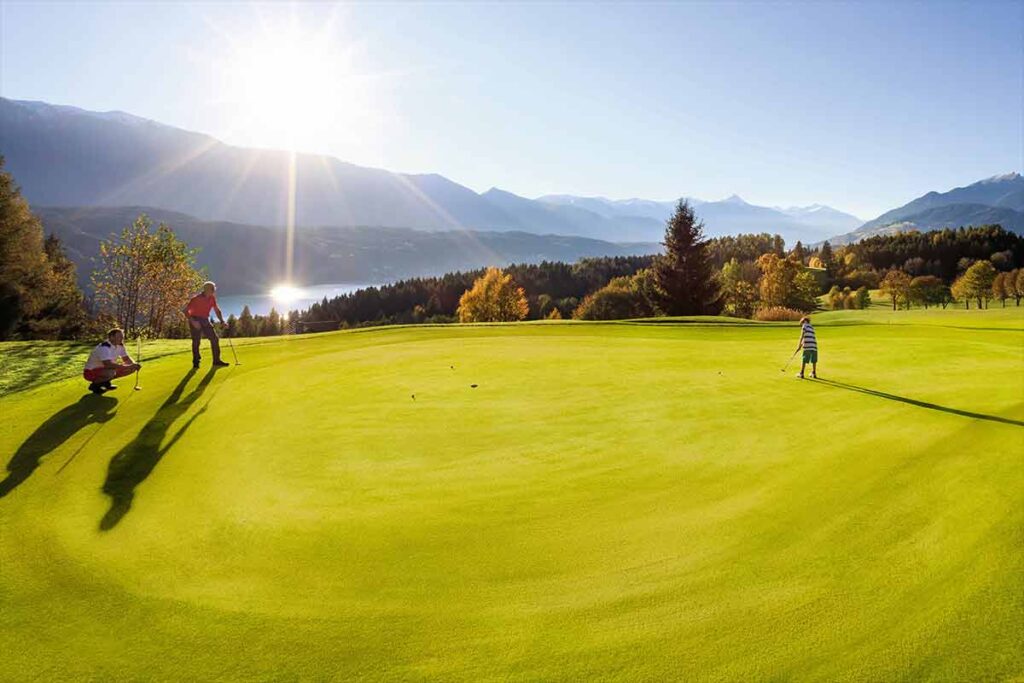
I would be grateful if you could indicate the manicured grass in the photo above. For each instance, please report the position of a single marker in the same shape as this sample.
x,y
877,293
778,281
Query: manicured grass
x,y
29,364
634,501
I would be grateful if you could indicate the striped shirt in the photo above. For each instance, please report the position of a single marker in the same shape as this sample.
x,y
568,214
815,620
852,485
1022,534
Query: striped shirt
x,y
807,339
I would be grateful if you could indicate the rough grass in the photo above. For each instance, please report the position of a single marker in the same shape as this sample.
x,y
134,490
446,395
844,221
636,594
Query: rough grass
x,y
615,501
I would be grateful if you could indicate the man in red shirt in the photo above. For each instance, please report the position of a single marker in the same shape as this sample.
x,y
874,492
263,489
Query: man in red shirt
x,y
198,313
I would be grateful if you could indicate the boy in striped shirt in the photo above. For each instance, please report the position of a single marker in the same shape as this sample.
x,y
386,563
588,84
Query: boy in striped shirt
x,y
809,344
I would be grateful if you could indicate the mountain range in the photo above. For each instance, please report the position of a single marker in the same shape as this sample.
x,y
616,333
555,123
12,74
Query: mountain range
x,y
248,258
87,174
995,200
65,156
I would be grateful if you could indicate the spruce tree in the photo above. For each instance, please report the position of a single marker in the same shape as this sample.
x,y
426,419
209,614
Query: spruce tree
x,y
827,258
798,252
684,275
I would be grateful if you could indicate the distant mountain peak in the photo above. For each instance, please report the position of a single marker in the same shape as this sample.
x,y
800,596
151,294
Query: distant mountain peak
x,y
735,199
998,199
1004,178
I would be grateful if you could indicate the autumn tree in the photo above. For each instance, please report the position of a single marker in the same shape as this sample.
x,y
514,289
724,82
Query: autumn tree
x,y
683,275
836,298
849,300
170,278
960,292
776,283
494,297
896,285
797,254
39,296
977,281
1015,284
999,289
143,277
926,290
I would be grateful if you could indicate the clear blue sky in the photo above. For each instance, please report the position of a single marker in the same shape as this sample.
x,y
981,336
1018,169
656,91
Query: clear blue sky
x,y
861,106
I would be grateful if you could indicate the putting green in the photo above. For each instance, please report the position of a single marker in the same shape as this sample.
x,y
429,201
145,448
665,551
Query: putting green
x,y
618,501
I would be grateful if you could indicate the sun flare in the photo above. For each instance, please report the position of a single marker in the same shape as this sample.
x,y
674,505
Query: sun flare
x,y
294,87
286,294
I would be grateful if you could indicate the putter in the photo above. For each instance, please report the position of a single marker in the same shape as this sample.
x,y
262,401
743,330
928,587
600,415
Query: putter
x,y
786,366
138,359
232,346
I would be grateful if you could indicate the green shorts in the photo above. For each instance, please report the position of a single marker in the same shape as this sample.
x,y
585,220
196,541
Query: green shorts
x,y
810,355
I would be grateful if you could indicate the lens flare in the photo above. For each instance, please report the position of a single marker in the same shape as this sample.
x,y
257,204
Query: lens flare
x,y
286,294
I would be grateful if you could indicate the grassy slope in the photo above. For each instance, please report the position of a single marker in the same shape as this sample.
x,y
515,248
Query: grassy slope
x,y
628,500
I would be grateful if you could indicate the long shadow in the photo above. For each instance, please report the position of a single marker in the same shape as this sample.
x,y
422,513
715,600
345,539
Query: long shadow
x,y
132,464
57,429
921,404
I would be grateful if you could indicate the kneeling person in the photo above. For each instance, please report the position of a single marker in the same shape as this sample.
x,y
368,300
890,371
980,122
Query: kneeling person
x,y
108,361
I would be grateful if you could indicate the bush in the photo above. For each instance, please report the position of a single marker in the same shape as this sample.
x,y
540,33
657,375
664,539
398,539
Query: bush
x,y
863,297
623,297
774,313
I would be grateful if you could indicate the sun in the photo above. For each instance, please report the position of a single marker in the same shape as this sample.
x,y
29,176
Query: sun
x,y
286,293
293,87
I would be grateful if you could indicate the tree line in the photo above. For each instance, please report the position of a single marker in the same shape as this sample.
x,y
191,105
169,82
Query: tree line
x,y
145,273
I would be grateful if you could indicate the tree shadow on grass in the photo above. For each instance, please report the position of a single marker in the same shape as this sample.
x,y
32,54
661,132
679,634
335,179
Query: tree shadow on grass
x,y
921,404
57,429
132,464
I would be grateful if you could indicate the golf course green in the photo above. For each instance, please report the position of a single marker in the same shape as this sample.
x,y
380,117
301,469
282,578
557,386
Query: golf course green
x,y
649,500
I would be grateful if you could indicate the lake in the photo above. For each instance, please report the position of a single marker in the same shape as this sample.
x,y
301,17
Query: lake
x,y
298,299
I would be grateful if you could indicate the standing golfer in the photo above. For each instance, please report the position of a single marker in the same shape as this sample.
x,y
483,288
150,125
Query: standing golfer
x,y
108,360
198,313
809,343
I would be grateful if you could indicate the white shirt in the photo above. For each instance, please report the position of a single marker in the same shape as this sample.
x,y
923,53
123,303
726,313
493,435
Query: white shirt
x,y
104,351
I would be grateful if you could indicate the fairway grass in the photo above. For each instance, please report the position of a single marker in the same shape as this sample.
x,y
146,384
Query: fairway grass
x,y
631,501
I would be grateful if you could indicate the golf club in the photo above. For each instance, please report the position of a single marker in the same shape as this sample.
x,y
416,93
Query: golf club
x,y
138,359
232,346
786,366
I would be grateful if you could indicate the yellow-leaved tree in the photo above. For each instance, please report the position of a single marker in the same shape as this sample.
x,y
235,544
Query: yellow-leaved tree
x,y
493,298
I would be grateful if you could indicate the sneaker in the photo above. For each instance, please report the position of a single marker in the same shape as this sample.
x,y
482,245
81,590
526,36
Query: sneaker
x,y
96,388
799,376
108,386
220,364
814,377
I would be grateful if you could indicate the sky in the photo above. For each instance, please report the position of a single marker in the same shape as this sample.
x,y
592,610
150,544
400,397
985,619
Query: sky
x,y
862,106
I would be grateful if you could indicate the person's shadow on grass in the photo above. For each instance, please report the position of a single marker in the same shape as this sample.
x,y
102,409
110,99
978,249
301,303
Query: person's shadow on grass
x,y
920,404
132,464
57,429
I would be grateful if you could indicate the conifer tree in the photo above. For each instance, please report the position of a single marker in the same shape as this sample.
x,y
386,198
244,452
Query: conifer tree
x,y
684,276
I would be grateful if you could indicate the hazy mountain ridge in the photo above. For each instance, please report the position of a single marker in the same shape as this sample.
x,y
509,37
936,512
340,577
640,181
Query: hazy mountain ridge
x,y
65,156
939,217
249,258
728,216
995,200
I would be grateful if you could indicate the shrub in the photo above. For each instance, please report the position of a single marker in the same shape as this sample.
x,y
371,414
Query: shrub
x,y
777,313
623,297
863,297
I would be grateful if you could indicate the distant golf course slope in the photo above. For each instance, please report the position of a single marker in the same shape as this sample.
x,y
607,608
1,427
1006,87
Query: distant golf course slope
x,y
632,501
